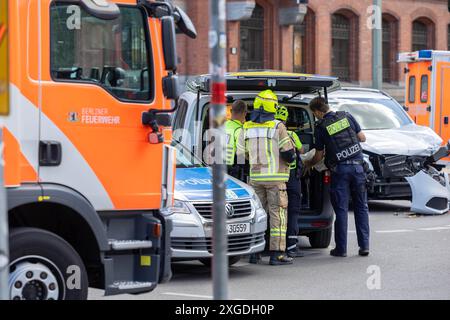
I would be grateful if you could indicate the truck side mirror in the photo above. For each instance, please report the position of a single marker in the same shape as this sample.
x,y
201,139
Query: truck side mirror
x,y
169,43
102,9
184,23
171,87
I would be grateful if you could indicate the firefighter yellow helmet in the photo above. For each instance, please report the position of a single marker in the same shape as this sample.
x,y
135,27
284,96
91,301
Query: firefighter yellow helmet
x,y
267,100
282,113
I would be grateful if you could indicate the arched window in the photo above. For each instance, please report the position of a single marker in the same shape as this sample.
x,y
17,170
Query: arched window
x,y
304,44
252,41
422,34
345,45
390,48
448,37
300,48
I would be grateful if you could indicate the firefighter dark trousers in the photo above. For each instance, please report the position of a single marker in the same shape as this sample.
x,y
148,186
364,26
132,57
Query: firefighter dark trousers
x,y
294,207
350,181
236,171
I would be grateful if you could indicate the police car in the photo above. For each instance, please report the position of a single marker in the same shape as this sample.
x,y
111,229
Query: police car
x,y
191,215
192,121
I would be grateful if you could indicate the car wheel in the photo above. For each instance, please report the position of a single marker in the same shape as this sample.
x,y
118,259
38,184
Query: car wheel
x,y
43,266
320,239
231,261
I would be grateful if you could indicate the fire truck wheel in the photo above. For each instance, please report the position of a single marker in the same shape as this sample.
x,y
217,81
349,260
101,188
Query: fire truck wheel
x,y
43,266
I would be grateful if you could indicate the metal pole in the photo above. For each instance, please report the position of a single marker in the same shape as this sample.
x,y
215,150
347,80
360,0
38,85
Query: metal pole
x,y
377,46
4,247
217,44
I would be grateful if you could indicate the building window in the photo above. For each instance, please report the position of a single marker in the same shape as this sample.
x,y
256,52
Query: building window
x,y
341,46
252,41
299,48
420,35
387,34
423,34
390,48
448,38
304,44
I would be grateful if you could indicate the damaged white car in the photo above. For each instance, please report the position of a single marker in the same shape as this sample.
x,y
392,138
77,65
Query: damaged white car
x,y
402,156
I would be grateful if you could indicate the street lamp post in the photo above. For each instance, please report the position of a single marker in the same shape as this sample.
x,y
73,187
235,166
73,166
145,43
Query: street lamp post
x,y
377,46
218,44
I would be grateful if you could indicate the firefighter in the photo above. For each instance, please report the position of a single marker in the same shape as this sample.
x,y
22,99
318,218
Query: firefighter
x,y
340,135
293,189
266,143
233,129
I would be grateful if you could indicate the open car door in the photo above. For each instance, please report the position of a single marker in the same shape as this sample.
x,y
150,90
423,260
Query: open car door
x,y
252,81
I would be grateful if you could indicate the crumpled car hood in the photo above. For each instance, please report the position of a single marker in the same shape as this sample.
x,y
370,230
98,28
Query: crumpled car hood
x,y
409,140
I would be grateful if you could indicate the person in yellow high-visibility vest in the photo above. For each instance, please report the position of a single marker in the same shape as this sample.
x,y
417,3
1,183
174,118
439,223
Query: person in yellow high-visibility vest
x,y
268,147
293,189
233,128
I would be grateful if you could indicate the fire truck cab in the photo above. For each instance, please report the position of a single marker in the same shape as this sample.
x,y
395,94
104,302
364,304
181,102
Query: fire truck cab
x,y
88,160
427,95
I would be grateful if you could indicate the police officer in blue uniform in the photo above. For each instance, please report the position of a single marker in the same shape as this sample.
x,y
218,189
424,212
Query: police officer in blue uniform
x,y
340,135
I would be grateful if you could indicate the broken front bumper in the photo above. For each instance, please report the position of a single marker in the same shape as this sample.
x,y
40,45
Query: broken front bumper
x,y
429,195
415,178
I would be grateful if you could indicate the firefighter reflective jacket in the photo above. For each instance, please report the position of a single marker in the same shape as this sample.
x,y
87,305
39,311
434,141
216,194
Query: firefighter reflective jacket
x,y
264,144
232,130
298,146
342,142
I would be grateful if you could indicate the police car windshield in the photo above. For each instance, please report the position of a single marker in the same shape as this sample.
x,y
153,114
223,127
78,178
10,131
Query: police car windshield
x,y
373,114
185,158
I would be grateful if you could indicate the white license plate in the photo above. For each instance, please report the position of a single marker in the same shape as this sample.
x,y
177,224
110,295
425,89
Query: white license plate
x,y
238,228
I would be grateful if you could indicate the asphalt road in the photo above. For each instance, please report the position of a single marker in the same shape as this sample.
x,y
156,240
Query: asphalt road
x,y
410,259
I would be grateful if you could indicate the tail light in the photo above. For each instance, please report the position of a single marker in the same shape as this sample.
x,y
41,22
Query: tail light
x,y
319,224
155,138
327,177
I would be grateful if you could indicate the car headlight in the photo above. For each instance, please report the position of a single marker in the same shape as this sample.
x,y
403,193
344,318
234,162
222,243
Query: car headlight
x,y
178,207
256,202
367,160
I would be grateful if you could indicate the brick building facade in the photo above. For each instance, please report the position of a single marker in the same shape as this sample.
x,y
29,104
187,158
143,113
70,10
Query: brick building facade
x,y
333,38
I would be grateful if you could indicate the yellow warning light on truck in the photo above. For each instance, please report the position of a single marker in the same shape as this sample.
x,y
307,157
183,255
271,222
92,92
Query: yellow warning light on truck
x,y
4,65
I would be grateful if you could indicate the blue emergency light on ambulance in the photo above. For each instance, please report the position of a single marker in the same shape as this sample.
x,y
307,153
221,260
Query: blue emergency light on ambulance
x,y
192,213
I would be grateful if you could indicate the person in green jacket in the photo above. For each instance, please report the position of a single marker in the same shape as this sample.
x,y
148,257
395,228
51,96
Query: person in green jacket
x,y
233,129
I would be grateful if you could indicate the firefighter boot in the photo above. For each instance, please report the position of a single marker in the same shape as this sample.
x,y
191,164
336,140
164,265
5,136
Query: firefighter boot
x,y
278,258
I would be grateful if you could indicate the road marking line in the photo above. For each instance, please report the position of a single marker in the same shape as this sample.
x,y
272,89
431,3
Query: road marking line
x,y
187,295
193,295
434,228
394,231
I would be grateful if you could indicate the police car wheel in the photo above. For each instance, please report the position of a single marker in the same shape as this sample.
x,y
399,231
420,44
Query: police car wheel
x,y
231,261
320,239
43,266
